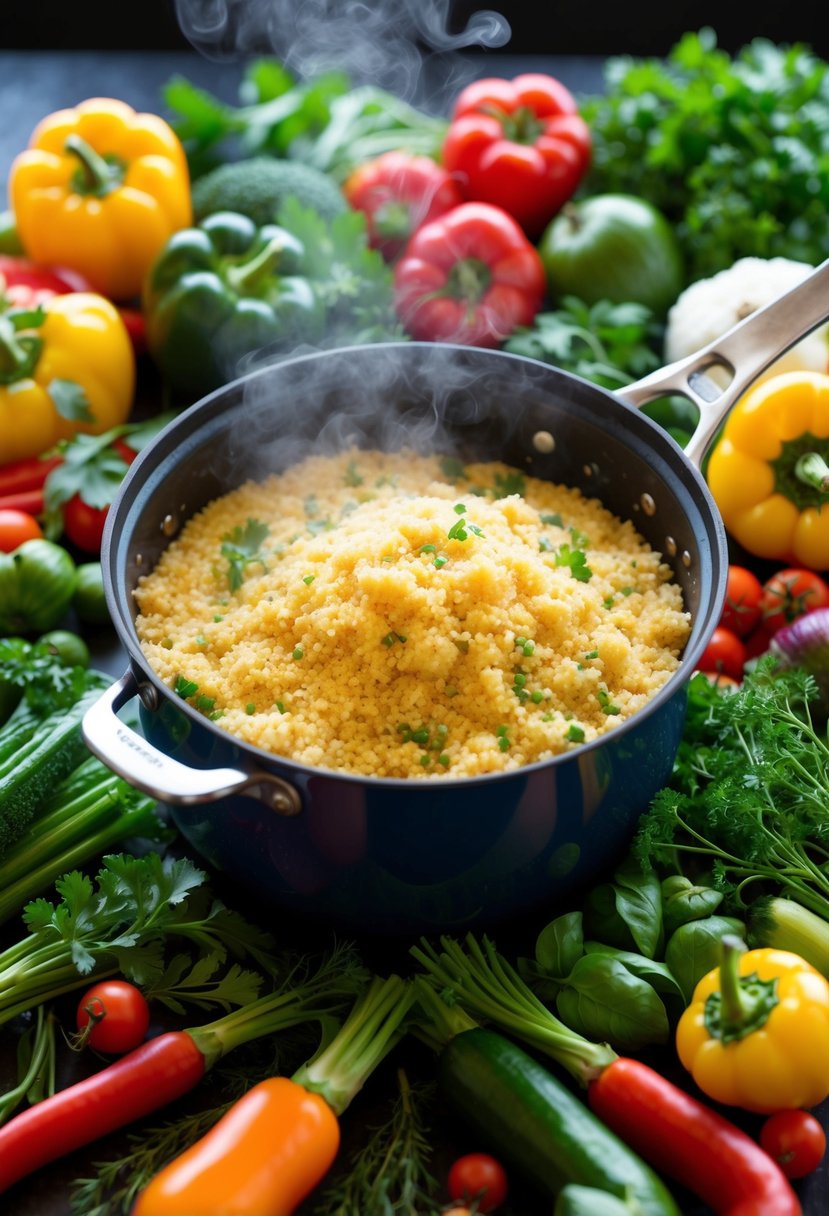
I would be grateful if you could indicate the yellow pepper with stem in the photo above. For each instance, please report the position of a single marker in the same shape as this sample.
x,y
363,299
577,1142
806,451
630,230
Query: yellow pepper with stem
x,y
769,470
101,188
756,1033
66,366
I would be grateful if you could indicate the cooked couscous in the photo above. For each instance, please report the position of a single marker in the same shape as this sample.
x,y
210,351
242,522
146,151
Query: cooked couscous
x,y
396,615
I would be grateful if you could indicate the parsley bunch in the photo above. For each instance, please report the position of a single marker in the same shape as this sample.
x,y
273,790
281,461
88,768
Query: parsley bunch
x,y
748,795
732,149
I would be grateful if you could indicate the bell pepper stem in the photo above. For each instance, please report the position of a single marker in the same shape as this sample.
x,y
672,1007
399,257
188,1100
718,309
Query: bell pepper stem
x,y
96,175
15,359
733,1006
263,264
813,470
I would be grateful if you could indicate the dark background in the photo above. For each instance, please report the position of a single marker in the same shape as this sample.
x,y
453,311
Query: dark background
x,y
570,27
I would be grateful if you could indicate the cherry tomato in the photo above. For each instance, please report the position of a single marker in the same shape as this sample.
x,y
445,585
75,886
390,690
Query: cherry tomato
x,y
789,594
741,610
795,1140
480,1178
84,525
725,654
117,1015
17,527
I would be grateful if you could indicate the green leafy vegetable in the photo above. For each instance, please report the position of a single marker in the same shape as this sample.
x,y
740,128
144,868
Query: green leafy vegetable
x,y
242,547
748,795
576,559
609,344
732,150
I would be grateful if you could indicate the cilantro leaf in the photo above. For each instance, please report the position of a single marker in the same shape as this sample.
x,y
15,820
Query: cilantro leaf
x,y
242,548
70,400
576,560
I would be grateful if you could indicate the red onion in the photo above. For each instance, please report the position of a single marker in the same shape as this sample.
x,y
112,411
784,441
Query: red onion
x,y
805,643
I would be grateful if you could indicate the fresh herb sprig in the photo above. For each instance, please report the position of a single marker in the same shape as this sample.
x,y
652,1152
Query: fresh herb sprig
x,y
242,547
732,149
747,798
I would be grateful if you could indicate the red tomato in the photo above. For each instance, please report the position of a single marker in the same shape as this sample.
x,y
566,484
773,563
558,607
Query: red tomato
x,y
795,1140
480,1178
118,1016
84,525
17,527
741,610
789,594
725,654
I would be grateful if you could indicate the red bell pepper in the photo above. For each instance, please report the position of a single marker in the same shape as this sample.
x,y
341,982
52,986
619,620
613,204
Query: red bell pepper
x,y
471,276
25,284
397,192
519,144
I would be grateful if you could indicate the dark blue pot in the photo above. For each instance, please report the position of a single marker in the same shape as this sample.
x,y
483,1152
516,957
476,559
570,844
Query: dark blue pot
x,y
395,856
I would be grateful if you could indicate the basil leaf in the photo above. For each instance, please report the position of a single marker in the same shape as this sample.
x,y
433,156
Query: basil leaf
x,y
560,945
657,974
683,901
694,949
607,1003
627,912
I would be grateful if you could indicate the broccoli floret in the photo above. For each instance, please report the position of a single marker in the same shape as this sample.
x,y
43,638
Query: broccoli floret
x,y
257,187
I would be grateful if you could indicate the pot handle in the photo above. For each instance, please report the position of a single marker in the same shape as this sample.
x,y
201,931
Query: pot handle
x,y
130,756
745,351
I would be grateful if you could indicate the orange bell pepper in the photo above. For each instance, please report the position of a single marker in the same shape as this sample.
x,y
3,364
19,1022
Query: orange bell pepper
x,y
100,189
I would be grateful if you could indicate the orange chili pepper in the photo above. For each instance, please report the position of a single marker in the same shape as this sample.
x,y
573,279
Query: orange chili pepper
x,y
265,1155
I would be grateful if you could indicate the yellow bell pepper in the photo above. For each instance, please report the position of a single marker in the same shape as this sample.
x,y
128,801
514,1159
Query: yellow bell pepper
x,y
756,1033
101,188
65,367
768,471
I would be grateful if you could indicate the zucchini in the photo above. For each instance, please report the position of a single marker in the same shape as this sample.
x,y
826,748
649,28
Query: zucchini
x,y
537,1126
45,752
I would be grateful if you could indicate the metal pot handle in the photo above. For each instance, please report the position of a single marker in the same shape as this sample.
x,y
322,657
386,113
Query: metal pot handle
x,y
745,351
130,756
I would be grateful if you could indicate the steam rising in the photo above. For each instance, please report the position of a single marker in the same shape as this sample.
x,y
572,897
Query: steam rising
x,y
380,42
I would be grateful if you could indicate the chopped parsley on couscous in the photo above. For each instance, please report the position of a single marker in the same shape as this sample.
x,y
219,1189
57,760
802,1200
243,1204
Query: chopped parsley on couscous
x,y
397,615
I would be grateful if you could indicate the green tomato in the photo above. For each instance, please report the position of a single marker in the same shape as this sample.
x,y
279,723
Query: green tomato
x,y
68,648
37,581
613,247
89,599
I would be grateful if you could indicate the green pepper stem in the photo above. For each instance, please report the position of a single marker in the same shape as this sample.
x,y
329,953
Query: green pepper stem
x,y
813,470
15,359
731,993
96,175
244,277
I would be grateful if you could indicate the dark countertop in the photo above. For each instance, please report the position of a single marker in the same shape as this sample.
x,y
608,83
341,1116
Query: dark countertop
x,y
33,84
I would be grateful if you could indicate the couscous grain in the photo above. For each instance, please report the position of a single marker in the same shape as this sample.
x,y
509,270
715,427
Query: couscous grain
x,y
397,615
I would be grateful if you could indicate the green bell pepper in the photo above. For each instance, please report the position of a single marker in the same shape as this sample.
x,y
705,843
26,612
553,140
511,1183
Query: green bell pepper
x,y
219,293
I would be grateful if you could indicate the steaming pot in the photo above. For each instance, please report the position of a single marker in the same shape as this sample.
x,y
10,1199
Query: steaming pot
x,y
396,856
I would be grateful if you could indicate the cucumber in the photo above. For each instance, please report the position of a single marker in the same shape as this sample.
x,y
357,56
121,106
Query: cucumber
x,y
537,1126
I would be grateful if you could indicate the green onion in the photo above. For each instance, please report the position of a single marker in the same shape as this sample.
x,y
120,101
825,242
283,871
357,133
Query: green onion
x,y
205,704
308,579
592,654
606,705
440,561
608,601
428,549
201,640
185,688
575,734
280,705
298,652
444,760
555,520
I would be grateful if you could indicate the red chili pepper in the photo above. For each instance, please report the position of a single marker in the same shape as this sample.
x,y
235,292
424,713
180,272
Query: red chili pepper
x,y
690,1143
519,144
397,192
20,475
30,501
154,1074
471,276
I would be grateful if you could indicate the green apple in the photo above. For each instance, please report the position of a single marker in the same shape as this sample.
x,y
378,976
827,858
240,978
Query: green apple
x,y
613,247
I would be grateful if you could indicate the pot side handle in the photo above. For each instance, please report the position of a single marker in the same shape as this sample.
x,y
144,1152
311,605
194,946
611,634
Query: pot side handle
x,y
146,768
745,351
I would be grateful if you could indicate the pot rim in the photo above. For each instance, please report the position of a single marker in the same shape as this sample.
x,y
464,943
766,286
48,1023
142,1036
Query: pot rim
x,y
704,623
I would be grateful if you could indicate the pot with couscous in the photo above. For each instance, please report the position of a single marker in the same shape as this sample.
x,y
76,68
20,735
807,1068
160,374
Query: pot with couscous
x,y
410,626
